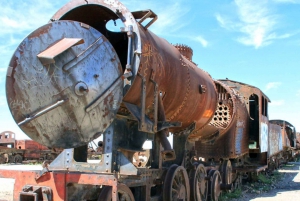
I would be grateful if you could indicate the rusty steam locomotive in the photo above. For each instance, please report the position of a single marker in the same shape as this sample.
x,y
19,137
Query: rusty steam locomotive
x,y
72,80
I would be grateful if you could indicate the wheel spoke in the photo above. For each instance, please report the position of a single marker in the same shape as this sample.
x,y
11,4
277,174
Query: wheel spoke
x,y
176,184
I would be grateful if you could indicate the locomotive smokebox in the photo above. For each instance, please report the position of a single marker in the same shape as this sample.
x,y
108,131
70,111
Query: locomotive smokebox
x,y
63,84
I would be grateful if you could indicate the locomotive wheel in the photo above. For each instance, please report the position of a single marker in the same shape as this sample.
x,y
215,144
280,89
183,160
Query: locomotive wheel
x,y
18,158
176,185
198,183
226,170
237,181
124,193
271,166
276,164
214,185
2,159
10,159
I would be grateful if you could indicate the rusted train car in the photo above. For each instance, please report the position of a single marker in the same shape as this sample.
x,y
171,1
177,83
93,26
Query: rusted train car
x,y
17,151
77,80
246,140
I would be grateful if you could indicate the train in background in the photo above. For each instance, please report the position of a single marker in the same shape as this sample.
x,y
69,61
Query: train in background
x,y
73,80
17,151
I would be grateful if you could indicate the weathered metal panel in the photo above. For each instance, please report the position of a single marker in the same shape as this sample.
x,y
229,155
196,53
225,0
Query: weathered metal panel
x,y
275,140
289,135
30,145
260,134
163,64
263,137
7,137
232,121
57,181
69,102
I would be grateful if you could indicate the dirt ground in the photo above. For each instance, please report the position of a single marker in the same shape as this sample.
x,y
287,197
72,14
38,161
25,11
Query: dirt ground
x,y
282,185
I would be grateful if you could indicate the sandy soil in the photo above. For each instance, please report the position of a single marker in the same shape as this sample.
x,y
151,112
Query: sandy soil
x,y
286,188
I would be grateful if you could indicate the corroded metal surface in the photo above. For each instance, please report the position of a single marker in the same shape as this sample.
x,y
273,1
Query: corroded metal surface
x,y
188,92
185,50
275,140
96,13
231,120
252,97
288,131
59,182
89,98
7,137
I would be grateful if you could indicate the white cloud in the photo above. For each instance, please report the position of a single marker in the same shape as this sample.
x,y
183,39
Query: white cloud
x,y
201,40
169,20
277,103
25,16
255,21
287,1
272,85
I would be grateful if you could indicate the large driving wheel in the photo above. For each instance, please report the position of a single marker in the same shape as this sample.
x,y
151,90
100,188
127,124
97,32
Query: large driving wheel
x,y
124,193
18,158
226,170
236,181
214,185
176,185
198,183
2,159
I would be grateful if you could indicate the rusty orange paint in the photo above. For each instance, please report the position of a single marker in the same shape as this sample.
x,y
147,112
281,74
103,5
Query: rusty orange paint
x,y
57,181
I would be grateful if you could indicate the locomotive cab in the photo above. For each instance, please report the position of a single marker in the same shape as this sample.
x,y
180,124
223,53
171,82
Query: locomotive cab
x,y
257,105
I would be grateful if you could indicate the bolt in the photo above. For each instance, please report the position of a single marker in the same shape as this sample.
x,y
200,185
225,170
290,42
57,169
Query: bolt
x,y
46,191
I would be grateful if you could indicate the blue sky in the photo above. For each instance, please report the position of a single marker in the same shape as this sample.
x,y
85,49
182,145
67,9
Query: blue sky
x,y
255,42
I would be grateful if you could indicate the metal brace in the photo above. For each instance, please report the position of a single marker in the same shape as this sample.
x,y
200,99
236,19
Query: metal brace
x,y
36,192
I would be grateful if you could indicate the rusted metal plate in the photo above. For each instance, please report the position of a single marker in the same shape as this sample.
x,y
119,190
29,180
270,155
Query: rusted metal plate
x,y
30,145
49,101
275,140
7,137
59,182
178,81
232,121
288,131
253,99
264,135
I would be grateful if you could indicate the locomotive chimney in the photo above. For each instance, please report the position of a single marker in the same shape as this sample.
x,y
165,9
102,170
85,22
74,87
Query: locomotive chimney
x,y
185,50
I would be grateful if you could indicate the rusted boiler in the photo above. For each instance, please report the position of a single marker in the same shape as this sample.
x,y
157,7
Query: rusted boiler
x,y
68,79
